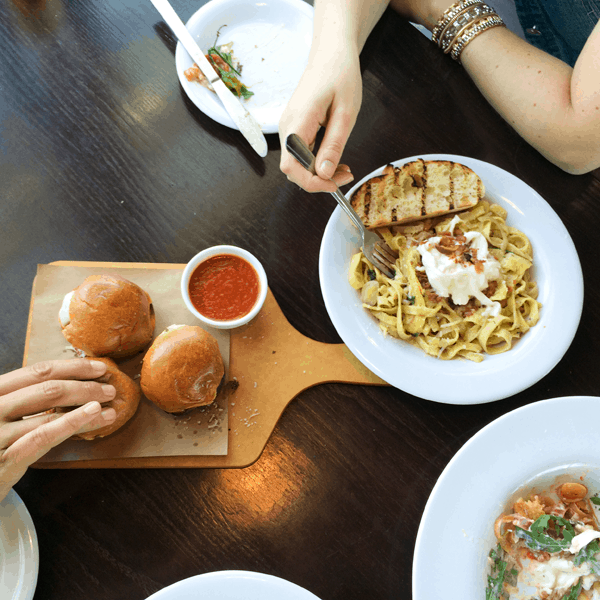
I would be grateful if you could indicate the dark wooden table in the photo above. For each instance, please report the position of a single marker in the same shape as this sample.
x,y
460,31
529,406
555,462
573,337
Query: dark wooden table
x,y
104,158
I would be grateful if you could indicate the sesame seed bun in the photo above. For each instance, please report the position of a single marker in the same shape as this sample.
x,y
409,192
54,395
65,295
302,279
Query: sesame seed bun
x,y
182,369
109,316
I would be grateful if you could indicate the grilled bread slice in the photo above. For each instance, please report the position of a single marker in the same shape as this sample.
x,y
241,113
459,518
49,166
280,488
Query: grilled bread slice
x,y
417,190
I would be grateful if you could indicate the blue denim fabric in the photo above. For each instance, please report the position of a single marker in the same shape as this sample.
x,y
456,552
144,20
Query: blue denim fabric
x,y
563,25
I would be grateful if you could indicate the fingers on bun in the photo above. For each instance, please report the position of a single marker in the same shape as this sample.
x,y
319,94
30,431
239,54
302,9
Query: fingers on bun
x,y
108,316
182,369
125,402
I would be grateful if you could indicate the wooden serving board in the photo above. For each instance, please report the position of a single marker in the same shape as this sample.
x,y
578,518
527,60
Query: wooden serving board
x,y
272,362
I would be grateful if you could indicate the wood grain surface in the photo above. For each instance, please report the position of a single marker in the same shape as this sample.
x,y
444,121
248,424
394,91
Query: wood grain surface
x,y
103,158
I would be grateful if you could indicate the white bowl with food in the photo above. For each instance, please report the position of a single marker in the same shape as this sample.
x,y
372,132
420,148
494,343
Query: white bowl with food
x,y
460,381
224,286
518,463
270,42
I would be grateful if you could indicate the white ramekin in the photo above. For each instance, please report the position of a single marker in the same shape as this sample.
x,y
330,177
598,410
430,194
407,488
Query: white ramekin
x,y
213,251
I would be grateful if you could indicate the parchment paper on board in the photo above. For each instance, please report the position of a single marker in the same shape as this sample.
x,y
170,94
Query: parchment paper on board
x,y
151,432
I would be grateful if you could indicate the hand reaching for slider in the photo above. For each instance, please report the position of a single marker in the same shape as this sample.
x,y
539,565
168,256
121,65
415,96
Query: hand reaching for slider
x,y
28,430
328,95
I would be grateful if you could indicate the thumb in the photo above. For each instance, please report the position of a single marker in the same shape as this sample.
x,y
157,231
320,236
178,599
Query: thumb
x,y
306,128
333,144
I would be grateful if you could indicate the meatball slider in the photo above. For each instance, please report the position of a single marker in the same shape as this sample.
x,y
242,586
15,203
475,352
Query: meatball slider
x,y
108,316
182,369
125,402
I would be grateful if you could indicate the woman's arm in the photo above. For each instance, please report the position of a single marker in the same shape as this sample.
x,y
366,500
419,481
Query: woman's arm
x,y
330,91
554,107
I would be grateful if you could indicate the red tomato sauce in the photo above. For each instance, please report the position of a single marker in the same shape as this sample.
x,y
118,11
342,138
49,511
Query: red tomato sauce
x,y
224,287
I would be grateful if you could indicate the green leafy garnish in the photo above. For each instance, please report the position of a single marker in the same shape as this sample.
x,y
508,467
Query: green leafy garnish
x,y
226,56
547,533
372,274
245,92
595,500
495,588
587,554
236,87
411,299
573,593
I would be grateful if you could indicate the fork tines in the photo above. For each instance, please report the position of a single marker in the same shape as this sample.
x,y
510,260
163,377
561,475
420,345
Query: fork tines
x,y
386,253
384,259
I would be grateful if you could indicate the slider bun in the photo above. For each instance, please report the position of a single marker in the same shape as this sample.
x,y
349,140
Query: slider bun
x,y
125,401
110,316
182,369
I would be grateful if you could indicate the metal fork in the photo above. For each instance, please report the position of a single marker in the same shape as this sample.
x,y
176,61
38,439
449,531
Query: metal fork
x,y
378,253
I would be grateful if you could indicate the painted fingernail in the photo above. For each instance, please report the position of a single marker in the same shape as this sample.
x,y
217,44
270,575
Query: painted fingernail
x,y
109,391
109,414
91,408
98,366
328,168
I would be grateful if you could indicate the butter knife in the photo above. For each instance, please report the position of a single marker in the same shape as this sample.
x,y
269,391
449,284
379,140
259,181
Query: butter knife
x,y
241,117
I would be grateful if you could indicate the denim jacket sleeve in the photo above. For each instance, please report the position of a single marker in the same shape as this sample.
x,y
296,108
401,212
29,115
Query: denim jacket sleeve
x,y
560,27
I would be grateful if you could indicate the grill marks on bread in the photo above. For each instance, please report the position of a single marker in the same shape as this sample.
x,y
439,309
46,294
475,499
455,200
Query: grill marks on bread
x,y
417,190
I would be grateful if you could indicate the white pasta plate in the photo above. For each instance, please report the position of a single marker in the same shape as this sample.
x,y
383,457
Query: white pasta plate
x,y
19,557
530,447
271,39
556,268
233,585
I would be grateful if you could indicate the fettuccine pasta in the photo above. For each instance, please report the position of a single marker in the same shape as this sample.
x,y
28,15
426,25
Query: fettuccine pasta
x,y
407,307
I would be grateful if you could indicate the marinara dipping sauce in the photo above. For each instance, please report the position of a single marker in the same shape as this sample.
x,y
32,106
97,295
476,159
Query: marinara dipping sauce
x,y
224,287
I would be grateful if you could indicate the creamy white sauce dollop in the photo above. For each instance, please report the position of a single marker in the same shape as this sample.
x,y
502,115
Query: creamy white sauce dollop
x,y
557,574
458,280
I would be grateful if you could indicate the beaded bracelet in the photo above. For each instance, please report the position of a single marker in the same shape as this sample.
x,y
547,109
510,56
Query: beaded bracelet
x,y
462,22
472,32
448,16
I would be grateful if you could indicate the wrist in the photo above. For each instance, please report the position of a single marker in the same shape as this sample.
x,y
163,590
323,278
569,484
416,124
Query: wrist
x,y
427,13
462,22
329,50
